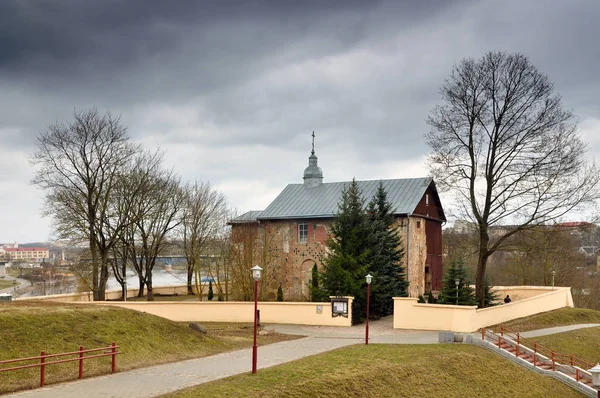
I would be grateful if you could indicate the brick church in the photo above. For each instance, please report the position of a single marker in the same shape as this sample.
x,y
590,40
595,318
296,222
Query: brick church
x,y
288,237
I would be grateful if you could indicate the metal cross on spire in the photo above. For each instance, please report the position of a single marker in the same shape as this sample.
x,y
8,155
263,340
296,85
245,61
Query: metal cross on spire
x,y
313,144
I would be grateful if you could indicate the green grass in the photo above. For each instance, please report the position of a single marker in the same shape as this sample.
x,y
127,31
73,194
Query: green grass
x,y
390,371
157,297
582,343
560,317
28,328
5,284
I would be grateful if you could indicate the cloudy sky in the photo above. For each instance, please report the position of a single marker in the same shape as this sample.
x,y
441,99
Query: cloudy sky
x,y
232,90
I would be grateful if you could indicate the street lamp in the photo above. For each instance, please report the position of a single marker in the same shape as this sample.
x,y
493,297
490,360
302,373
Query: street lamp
x,y
553,273
369,277
457,282
256,271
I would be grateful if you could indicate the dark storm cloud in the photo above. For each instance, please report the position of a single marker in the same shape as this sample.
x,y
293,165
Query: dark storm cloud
x,y
231,90
116,53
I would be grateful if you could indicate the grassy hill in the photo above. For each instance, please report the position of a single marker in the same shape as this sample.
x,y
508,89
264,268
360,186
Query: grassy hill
x,y
560,317
390,371
28,328
582,343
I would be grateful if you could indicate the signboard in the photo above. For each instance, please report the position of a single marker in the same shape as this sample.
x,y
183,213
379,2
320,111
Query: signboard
x,y
339,307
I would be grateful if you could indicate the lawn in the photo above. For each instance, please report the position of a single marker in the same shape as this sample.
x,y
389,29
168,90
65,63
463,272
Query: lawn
x,y
5,284
582,343
560,317
145,340
160,297
390,371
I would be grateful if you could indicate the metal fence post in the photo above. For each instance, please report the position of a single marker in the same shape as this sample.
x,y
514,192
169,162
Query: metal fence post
x,y
81,362
114,357
42,368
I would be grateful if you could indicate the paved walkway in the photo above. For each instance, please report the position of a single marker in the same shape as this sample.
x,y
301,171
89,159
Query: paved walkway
x,y
558,329
23,283
162,379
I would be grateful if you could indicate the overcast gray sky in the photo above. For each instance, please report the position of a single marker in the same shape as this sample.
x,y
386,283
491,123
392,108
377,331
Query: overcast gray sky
x,y
232,90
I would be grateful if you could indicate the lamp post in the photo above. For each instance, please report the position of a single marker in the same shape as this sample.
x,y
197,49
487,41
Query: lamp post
x,y
457,282
553,273
256,271
369,277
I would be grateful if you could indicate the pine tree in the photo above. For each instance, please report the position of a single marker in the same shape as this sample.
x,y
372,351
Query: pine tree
x,y
210,291
466,294
491,297
317,294
386,255
347,265
279,293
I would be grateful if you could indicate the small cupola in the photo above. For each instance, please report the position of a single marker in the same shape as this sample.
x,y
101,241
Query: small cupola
x,y
313,175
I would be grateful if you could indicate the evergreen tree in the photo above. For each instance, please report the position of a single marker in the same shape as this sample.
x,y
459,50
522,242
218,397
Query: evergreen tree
x,y
210,291
279,293
448,295
317,294
385,257
346,266
491,297
430,298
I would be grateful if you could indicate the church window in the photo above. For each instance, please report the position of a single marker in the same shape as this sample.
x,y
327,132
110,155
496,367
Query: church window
x,y
302,232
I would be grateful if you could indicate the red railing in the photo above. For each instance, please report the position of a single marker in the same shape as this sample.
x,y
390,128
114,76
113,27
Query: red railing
x,y
108,351
572,362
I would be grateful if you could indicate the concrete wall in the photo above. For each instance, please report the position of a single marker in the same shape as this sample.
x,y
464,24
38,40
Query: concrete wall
x,y
298,313
408,314
241,311
110,294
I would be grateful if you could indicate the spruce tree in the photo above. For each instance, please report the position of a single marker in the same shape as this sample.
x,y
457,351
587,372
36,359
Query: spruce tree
x,y
347,264
491,297
466,294
210,291
279,293
385,256
317,294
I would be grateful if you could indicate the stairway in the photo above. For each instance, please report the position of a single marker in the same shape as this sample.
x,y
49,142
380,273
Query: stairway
x,y
539,361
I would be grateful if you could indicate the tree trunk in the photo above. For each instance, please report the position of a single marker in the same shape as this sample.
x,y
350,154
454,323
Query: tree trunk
x,y
484,240
190,277
142,284
103,278
95,268
149,286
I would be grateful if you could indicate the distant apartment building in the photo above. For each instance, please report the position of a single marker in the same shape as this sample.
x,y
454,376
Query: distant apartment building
x,y
33,254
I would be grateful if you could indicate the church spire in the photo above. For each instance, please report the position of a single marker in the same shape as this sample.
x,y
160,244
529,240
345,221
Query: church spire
x,y
313,175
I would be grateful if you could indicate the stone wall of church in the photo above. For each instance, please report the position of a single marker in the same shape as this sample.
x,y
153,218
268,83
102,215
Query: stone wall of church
x,y
292,261
415,252
296,258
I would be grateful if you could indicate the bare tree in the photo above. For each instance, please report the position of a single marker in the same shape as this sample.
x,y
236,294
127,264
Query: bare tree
x,y
155,213
504,144
79,164
129,201
203,218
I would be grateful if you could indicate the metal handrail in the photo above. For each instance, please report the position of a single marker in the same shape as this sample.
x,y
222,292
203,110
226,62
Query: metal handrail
x,y
108,351
570,366
571,359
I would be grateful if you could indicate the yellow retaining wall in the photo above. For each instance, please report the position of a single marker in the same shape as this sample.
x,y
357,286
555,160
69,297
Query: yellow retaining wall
x,y
299,313
110,294
304,313
408,314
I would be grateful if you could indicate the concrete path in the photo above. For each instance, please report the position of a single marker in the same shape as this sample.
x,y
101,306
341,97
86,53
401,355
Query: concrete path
x,y
23,283
162,379
558,329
